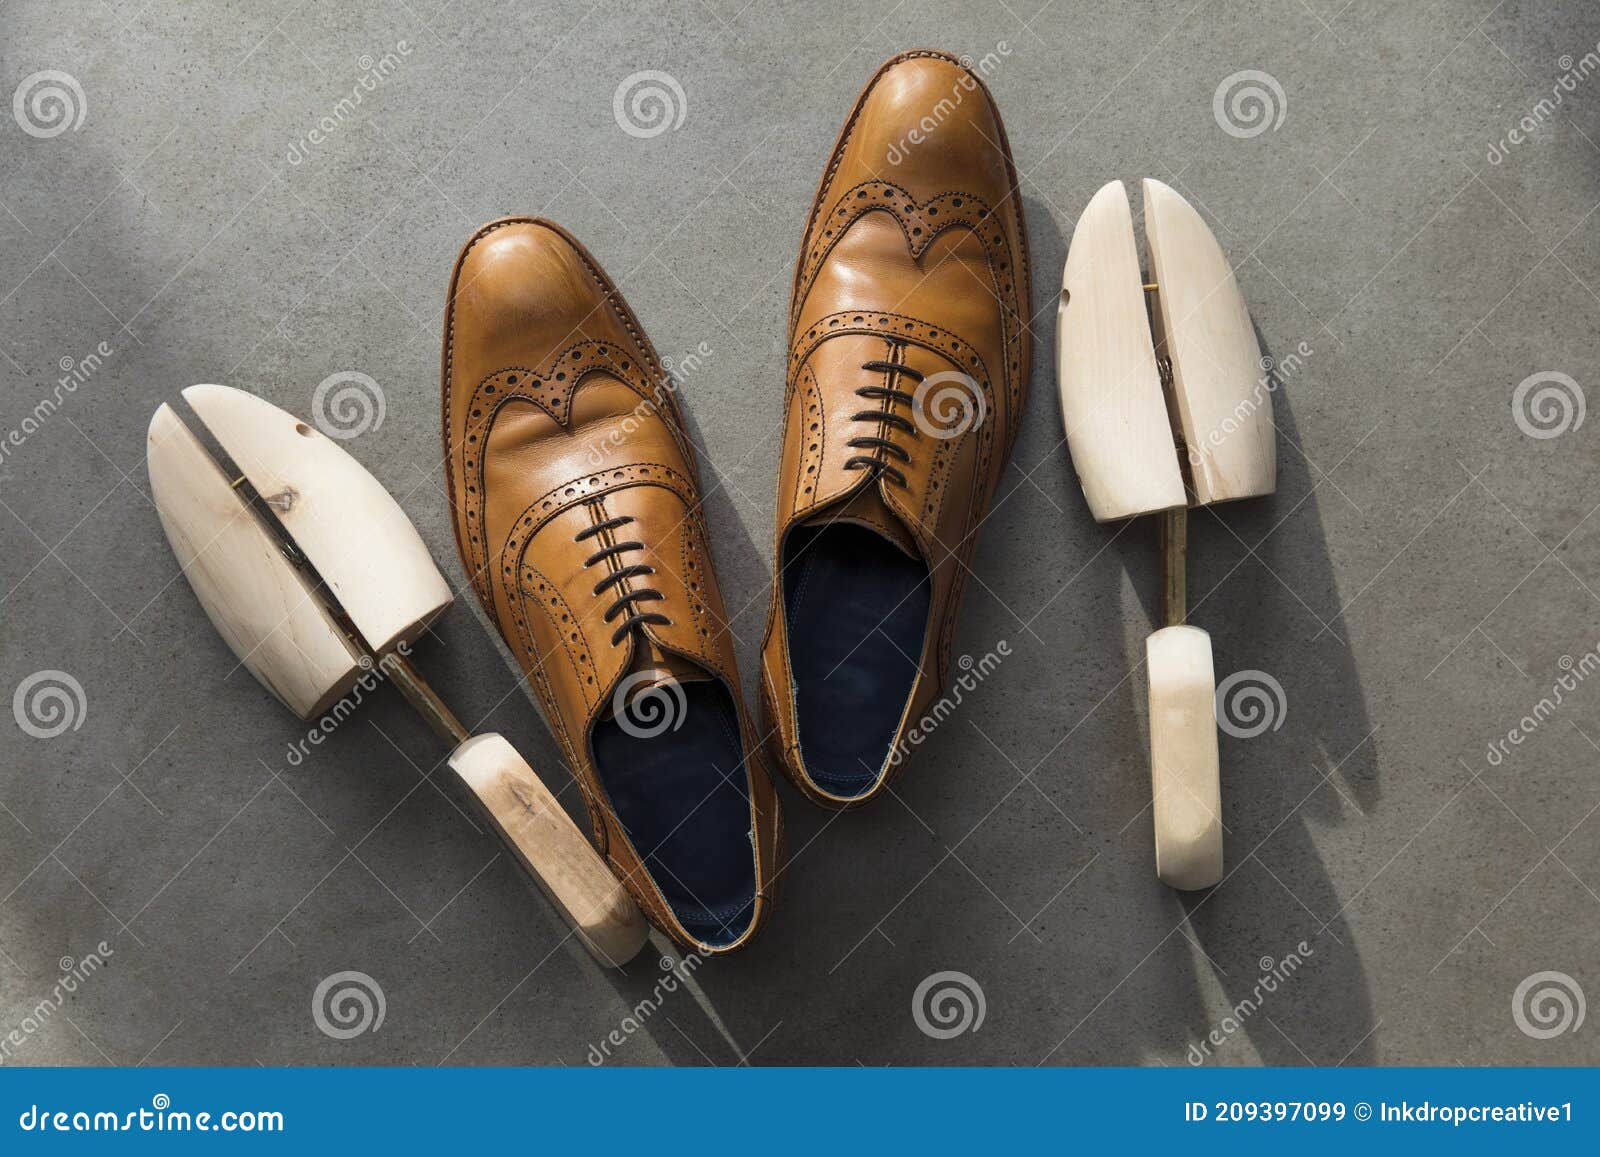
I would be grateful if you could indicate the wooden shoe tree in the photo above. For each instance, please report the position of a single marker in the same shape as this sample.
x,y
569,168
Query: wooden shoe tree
x,y
1160,418
343,534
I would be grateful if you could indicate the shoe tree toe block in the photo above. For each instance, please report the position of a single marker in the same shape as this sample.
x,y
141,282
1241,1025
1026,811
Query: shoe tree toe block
x,y
258,600
349,528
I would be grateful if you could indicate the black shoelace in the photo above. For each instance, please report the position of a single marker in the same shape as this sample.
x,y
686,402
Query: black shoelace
x,y
626,600
873,463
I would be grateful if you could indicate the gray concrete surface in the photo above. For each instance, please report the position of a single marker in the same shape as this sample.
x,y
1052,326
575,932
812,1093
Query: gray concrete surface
x,y
1416,587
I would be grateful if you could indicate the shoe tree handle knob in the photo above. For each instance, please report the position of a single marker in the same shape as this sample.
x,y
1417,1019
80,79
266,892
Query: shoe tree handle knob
x,y
535,827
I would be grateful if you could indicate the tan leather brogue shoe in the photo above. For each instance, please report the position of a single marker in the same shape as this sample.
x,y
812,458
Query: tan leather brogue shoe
x,y
576,503
908,365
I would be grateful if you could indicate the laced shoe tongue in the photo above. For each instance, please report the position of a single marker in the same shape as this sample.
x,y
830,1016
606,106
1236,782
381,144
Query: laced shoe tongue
x,y
665,666
867,509
653,668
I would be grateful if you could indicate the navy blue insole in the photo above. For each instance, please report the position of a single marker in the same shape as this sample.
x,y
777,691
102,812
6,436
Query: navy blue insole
x,y
857,611
682,798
